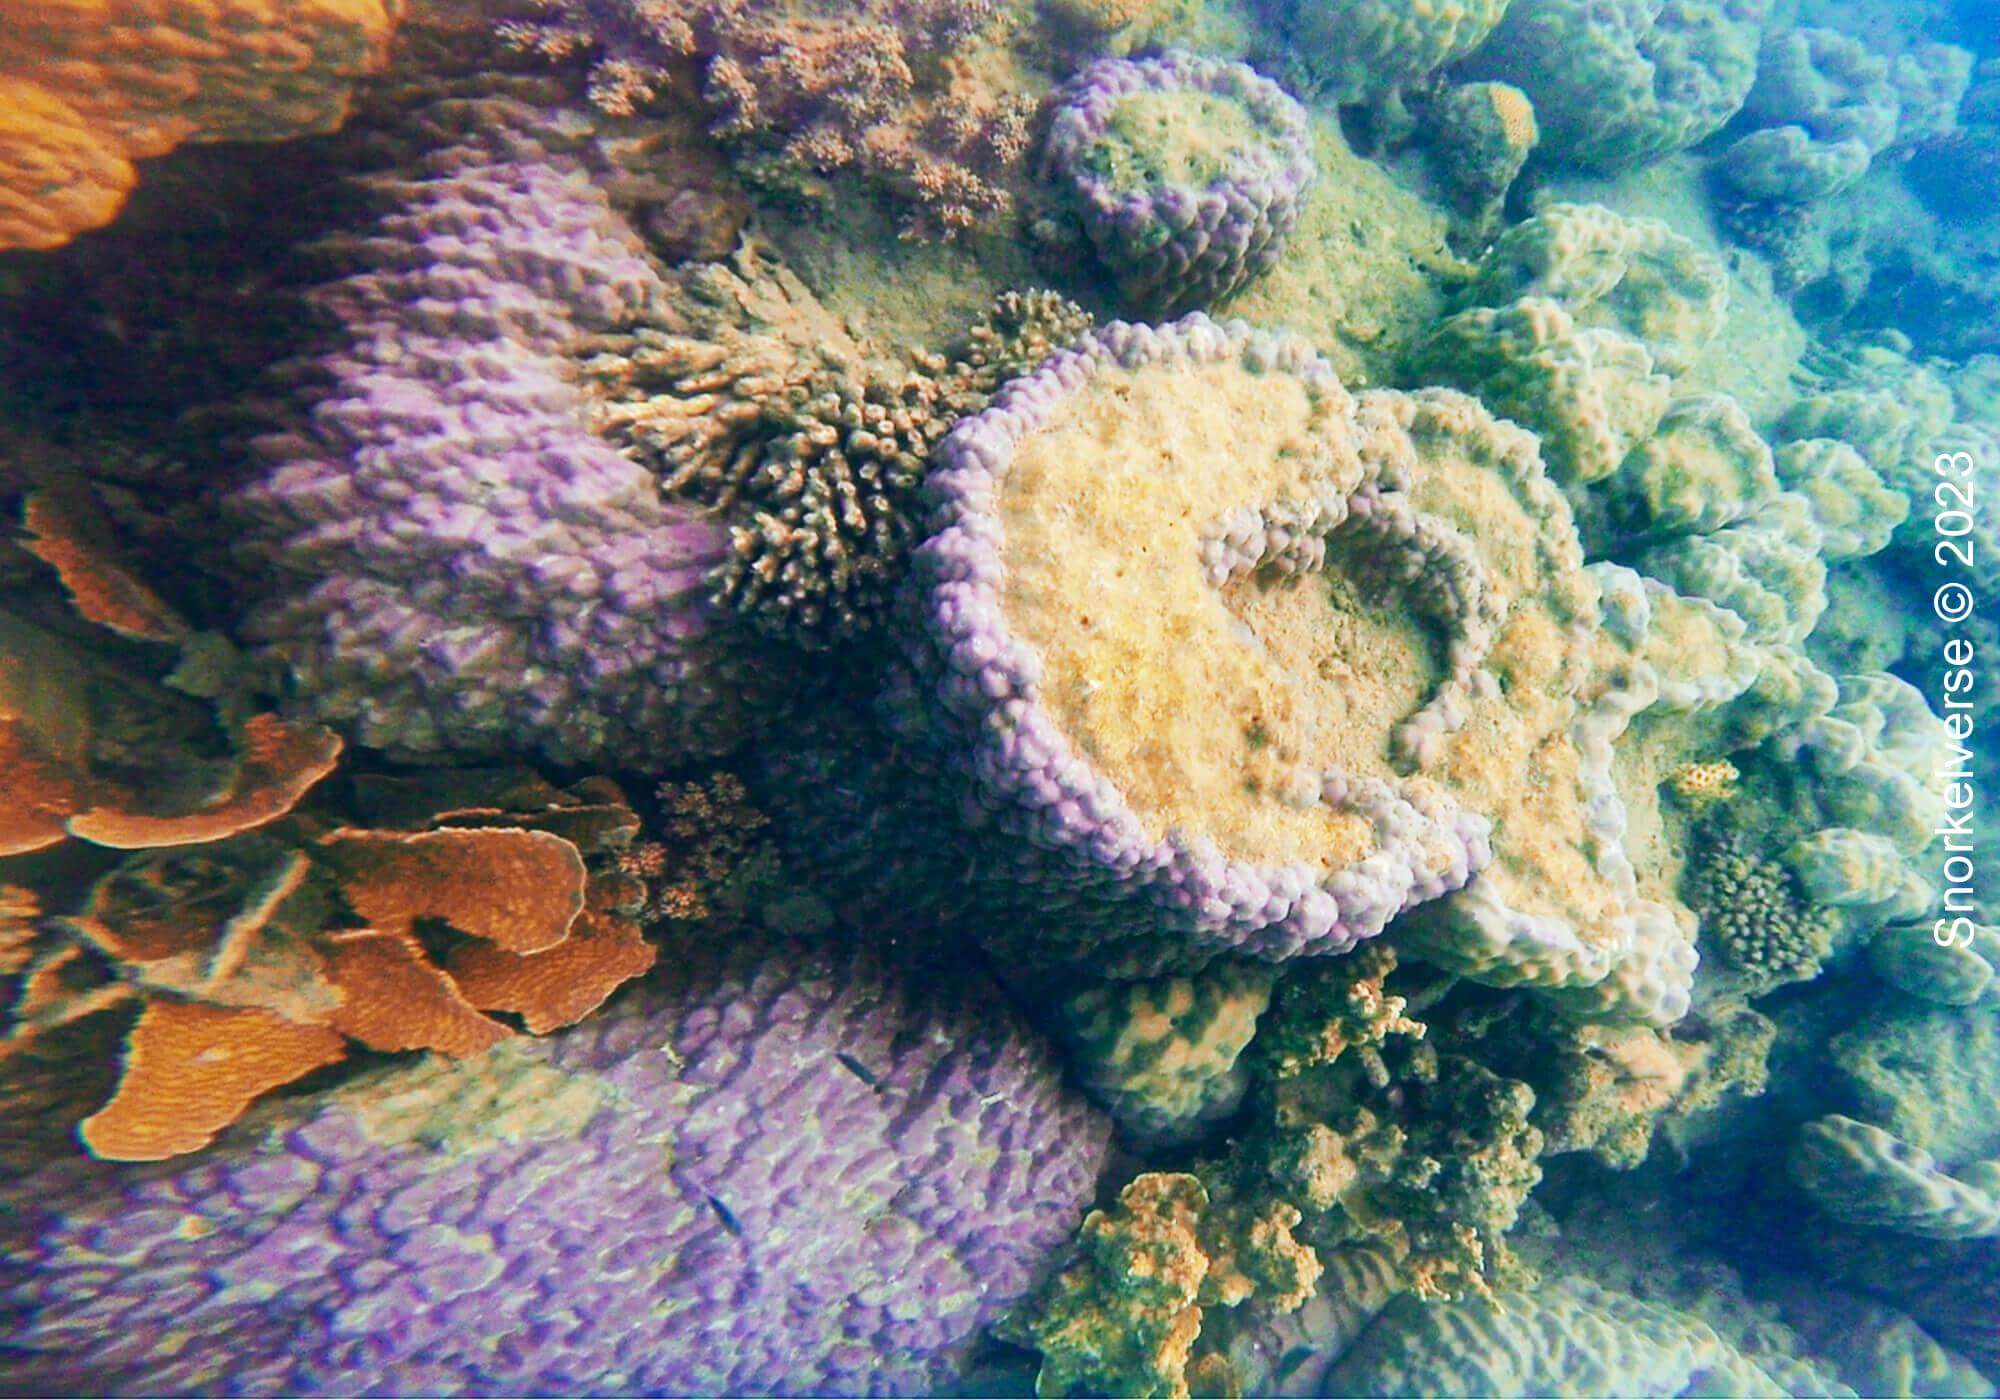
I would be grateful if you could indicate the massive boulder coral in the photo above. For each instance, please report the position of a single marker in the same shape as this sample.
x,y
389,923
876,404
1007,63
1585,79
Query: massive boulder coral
x,y
1619,84
628,1206
1104,534
1186,172
86,89
456,560
1362,50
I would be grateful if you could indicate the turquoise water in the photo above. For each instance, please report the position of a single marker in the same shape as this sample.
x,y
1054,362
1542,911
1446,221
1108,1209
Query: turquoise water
x,y
989,697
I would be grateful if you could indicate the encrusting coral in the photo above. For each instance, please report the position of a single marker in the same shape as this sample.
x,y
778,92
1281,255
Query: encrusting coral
x,y
494,569
1187,174
87,89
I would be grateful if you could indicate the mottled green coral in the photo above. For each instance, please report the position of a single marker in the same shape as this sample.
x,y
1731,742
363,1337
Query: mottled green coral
x,y
1929,961
1876,760
1840,866
1754,915
1705,467
1766,568
1480,135
1163,1054
1856,513
1621,82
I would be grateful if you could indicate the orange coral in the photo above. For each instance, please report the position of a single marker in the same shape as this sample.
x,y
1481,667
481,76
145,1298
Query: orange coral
x,y
395,999
559,987
60,534
191,1070
87,87
520,890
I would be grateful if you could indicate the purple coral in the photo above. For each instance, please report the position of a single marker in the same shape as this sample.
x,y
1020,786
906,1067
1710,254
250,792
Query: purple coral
x,y
782,1171
1073,873
460,563
1175,245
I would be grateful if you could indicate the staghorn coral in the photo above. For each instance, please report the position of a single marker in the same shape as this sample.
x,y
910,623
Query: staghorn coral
x,y
644,1167
1618,84
455,559
1186,172
883,90
87,89
1754,913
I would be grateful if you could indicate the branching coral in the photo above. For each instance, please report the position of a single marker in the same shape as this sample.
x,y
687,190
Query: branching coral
x,y
881,89
86,89
1187,173
644,1168
1754,914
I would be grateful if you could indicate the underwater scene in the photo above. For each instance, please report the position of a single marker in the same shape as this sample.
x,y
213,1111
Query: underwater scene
x,y
988,698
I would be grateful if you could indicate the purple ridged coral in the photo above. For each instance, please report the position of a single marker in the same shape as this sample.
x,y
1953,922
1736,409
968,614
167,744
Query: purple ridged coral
x,y
1175,246
1074,876
460,563
782,1171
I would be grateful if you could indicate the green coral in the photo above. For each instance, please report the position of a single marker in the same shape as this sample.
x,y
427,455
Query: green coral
x,y
1765,568
1358,50
1566,1337
1705,467
1163,1054
1618,83
1928,1074
1480,135
1608,270
1863,1175
1592,394
1874,761
1910,958
1846,868
1754,914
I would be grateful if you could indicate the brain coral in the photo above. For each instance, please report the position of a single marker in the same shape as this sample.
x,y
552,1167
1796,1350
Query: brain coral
x,y
1186,172
630,1207
87,87
1564,1337
458,562
1107,535
1619,82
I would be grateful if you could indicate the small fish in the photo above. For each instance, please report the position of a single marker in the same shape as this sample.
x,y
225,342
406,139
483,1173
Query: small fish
x,y
726,1216
858,1070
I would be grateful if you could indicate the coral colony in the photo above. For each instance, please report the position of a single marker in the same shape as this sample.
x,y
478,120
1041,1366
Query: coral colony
x,y
976,697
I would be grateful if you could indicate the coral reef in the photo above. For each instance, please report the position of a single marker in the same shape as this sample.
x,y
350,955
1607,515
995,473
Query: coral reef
x,y
88,89
494,569
1619,84
1480,135
1754,914
1186,173
643,1168
880,90
1366,50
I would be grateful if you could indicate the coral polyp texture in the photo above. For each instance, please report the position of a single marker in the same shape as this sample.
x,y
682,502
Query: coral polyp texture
x,y
1621,83
623,1208
1104,533
456,560
1186,172
88,87
1358,50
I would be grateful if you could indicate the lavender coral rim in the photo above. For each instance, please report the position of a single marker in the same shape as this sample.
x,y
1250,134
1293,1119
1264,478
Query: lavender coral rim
x,y
1022,761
